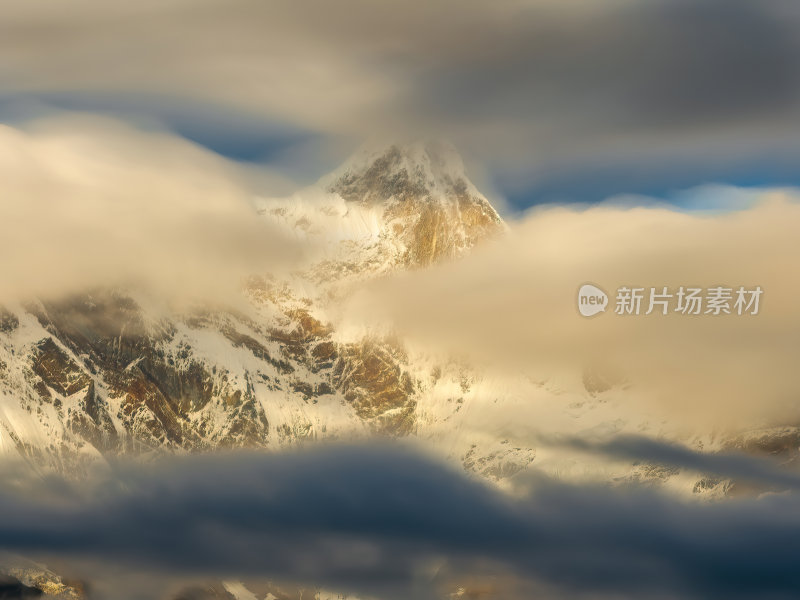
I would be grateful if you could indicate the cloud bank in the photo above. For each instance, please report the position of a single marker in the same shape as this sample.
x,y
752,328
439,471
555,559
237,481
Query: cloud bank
x,y
93,202
538,90
519,298
373,520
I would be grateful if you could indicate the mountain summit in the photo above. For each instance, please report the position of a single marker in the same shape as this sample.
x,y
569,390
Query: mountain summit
x,y
429,205
400,171
100,374
401,206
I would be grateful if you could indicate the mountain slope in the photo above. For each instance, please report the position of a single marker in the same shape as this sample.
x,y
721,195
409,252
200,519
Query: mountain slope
x,y
394,207
106,373
429,204
111,372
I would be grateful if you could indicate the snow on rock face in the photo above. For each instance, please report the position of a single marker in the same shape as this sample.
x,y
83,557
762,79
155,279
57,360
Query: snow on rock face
x,y
397,206
376,175
97,372
101,374
429,204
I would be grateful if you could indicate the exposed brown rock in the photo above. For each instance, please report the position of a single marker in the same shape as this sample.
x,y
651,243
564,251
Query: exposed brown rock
x,y
779,441
302,387
147,411
23,579
324,352
372,380
305,329
8,320
159,392
435,214
381,181
94,424
257,348
248,427
57,369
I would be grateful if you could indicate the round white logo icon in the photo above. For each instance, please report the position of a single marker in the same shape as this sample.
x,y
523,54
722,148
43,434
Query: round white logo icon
x,y
591,300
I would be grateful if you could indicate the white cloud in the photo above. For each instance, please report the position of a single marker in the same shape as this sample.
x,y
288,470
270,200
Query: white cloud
x,y
512,305
88,201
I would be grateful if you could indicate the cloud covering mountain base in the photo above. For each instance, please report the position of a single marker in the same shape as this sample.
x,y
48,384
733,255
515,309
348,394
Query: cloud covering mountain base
x,y
383,520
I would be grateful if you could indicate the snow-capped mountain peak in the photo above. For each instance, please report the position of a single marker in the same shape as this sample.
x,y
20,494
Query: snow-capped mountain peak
x,y
423,168
402,205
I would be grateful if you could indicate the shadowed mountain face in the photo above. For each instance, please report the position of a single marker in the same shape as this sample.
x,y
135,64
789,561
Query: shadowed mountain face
x,y
12,588
22,579
99,373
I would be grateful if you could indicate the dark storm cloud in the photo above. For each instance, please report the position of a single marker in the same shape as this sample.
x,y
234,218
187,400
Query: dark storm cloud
x,y
242,136
540,89
655,64
621,96
368,518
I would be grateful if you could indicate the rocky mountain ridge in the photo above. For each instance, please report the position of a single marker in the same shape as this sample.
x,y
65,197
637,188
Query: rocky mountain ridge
x,y
101,373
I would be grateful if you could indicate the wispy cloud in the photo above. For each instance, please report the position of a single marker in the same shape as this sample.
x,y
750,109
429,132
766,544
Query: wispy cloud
x,y
729,465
